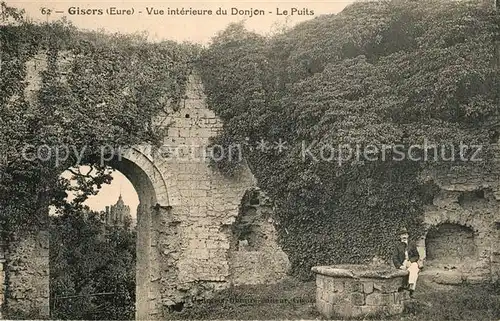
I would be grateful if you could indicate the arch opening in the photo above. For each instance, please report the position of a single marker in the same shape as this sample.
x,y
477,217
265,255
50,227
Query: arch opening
x,y
140,173
450,246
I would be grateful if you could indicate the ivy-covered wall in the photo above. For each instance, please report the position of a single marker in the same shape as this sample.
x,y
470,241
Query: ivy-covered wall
x,y
376,74
60,87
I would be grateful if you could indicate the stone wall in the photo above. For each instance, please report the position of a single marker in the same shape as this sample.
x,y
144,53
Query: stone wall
x,y
184,243
466,215
27,274
256,257
450,244
26,265
191,235
204,206
345,291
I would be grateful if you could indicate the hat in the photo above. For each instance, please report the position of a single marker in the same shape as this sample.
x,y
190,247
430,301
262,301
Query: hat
x,y
403,231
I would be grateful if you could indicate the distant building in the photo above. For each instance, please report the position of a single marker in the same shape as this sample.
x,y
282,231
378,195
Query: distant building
x,y
118,214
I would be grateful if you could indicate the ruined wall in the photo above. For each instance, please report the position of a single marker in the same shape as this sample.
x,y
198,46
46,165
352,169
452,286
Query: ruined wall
x,y
465,213
27,273
25,268
255,256
184,218
191,236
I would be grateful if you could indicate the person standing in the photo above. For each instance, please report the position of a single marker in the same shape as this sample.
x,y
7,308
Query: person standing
x,y
406,257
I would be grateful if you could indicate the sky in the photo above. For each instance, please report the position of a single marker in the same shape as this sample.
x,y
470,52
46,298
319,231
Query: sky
x,y
192,28
109,193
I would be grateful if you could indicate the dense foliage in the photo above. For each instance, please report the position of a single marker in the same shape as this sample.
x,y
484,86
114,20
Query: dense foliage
x,y
98,91
92,268
378,73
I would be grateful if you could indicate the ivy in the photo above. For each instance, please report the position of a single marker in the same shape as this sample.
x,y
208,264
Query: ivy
x,y
97,90
378,73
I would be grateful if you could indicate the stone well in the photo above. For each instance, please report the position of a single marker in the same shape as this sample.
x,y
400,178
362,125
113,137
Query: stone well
x,y
356,290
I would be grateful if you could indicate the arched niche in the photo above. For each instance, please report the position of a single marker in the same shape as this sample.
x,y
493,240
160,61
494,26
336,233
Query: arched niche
x,y
450,245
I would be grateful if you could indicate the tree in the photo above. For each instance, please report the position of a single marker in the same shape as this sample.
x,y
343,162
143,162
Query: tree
x,y
98,91
92,268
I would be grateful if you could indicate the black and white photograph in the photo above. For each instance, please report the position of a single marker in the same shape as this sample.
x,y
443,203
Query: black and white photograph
x,y
250,160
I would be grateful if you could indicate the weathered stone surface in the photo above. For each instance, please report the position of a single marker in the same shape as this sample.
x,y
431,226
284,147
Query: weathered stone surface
x,y
388,286
185,247
360,296
346,309
460,227
447,278
255,258
370,310
368,287
353,286
320,281
338,286
379,299
28,288
401,297
359,271
328,284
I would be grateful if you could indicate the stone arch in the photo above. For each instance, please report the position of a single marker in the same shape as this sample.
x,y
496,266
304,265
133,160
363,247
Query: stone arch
x,y
450,243
466,215
466,224
433,222
153,191
143,173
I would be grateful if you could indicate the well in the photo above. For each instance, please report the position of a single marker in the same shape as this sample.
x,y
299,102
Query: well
x,y
356,290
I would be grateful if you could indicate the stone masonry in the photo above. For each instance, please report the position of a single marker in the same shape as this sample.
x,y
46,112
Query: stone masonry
x,y
255,255
186,249
27,276
184,243
466,215
346,291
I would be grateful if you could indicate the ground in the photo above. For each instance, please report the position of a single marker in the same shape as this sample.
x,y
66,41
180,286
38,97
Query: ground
x,y
292,299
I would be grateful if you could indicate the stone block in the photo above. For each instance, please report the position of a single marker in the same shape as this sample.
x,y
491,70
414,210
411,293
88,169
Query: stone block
x,y
325,308
388,285
358,298
451,279
320,304
476,279
352,285
379,299
328,284
401,297
319,294
328,310
368,287
370,310
333,298
319,281
347,310
338,286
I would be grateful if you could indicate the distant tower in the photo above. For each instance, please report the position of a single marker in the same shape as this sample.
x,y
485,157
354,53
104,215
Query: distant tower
x,y
118,214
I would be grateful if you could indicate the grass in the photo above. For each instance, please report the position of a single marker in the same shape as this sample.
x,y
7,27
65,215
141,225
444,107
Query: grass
x,y
462,302
292,299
